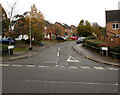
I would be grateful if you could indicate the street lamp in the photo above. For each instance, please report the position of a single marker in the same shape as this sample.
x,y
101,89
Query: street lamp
x,y
30,47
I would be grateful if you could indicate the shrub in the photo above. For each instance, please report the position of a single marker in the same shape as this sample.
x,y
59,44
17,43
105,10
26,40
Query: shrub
x,y
115,50
4,49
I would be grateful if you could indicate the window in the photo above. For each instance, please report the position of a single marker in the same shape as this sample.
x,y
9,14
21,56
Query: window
x,y
115,26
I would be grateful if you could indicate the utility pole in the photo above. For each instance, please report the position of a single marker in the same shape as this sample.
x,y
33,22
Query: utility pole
x,y
30,47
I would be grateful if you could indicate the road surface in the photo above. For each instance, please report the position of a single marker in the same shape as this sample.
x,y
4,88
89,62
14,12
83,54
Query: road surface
x,y
58,69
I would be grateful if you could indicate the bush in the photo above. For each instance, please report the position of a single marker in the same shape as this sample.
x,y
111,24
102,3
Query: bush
x,y
115,50
94,43
4,49
91,37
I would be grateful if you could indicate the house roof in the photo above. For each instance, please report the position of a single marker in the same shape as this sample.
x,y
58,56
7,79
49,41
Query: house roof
x,y
63,25
73,26
113,16
66,26
47,23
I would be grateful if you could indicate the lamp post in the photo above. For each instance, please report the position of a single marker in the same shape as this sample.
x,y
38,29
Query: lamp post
x,y
30,46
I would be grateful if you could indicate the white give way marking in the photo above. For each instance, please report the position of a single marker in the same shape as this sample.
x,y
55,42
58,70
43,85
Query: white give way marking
x,y
72,59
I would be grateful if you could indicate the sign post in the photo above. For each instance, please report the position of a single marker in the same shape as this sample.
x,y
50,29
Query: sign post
x,y
10,49
105,49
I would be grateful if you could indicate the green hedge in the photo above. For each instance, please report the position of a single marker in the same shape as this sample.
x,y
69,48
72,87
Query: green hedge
x,y
4,49
115,50
93,43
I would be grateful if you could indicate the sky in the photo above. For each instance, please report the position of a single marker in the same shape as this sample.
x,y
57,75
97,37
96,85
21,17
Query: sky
x,y
67,11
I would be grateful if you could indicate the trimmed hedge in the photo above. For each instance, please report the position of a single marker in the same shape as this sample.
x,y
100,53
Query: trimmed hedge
x,y
115,50
4,49
94,43
96,46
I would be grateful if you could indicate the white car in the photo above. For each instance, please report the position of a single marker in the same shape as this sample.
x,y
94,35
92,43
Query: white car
x,y
80,40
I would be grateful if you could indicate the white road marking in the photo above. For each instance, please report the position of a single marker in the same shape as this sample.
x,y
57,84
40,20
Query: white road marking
x,y
73,67
56,65
58,54
4,65
30,65
49,61
100,68
17,65
85,67
71,82
72,59
112,69
43,66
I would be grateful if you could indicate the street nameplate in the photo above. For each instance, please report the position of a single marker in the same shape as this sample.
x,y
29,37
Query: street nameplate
x,y
104,48
11,47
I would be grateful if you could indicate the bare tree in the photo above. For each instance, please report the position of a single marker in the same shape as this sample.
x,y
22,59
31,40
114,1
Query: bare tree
x,y
11,11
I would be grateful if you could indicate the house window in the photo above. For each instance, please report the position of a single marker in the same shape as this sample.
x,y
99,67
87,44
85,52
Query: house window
x,y
115,26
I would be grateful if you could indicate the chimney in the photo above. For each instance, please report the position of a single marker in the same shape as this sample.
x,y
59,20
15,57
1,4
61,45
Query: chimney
x,y
119,5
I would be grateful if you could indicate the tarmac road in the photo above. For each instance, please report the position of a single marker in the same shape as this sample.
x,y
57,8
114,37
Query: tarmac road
x,y
58,69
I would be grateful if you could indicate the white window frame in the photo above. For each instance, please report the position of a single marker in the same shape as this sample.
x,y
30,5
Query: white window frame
x,y
116,28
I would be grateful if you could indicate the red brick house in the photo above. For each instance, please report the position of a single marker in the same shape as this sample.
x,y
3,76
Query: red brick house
x,y
73,30
65,30
49,30
58,27
113,23
112,28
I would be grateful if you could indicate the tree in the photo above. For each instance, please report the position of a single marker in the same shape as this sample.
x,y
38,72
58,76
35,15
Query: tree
x,y
37,24
20,24
84,28
97,28
11,11
81,22
82,31
5,20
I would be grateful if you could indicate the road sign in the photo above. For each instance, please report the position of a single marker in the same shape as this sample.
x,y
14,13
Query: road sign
x,y
104,48
11,47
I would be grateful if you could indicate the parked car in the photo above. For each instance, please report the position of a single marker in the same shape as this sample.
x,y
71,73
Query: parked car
x,y
61,38
74,38
80,40
8,41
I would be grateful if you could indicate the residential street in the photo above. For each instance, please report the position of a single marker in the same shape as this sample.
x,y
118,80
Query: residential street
x,y
58,69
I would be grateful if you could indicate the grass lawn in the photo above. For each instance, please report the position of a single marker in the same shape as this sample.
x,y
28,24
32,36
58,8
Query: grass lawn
x,y
16,49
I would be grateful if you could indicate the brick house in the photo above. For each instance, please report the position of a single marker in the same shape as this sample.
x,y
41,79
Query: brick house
x,y
113,23
74,30
65,30
49,30
112,28
58,27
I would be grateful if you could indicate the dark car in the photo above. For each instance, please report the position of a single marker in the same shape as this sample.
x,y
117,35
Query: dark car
x,y
8,41
61,38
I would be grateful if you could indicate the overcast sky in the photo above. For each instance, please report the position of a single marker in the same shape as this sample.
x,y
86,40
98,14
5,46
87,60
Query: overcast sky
x,y
68,11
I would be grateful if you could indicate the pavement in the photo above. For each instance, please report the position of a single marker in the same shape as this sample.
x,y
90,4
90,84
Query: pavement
x,y
85,52
30,53
89,54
